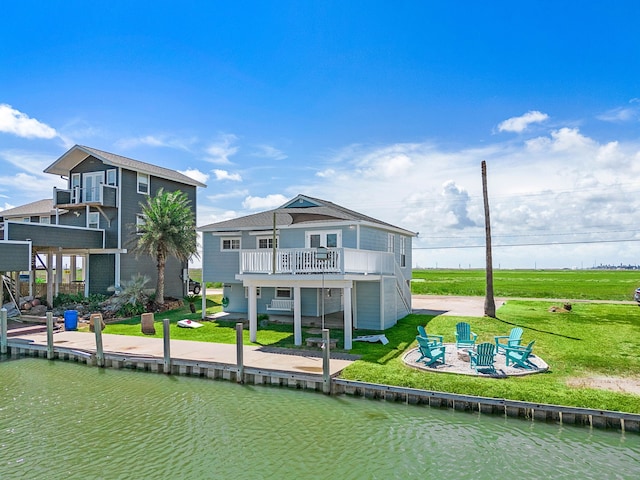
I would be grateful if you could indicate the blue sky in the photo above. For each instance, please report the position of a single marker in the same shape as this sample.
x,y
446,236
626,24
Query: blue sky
x,y
386,108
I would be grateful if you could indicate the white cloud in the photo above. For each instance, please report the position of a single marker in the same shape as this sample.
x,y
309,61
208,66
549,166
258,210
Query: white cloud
x,y
219,196
264,203
195,174
161,141
220,151
558,187
267,151
225,175
622,114
20,124
521,123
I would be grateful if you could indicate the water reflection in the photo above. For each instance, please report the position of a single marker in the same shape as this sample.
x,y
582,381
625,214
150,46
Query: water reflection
x,y
65,420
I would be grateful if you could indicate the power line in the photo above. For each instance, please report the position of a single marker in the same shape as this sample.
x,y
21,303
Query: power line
x,y
447,247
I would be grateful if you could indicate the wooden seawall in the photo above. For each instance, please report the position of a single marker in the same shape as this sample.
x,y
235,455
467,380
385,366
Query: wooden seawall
x,y
626,422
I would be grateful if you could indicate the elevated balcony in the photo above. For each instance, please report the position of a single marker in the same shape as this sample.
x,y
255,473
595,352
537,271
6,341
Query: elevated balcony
x,y
305,261
101,195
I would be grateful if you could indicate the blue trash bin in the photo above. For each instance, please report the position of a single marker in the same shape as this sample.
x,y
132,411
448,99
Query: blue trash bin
x,y
71,320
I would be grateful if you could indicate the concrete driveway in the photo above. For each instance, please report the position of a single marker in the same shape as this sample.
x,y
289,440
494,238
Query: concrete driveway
x,y
451,305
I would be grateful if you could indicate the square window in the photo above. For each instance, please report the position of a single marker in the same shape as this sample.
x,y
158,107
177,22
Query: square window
x,y
266,242
231,244
282,292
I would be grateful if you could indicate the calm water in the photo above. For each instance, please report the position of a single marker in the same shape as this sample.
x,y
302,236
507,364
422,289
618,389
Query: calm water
x,y
62,420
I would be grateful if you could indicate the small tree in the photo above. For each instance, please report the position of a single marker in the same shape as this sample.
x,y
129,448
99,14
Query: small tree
x,y
168,230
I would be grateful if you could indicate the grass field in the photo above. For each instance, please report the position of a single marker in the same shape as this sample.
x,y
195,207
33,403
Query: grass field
x,y
564,284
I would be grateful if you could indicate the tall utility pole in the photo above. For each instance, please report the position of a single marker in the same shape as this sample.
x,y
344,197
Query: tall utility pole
x,y
489,302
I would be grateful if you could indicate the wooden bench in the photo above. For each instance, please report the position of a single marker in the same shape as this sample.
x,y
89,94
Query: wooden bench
x,y
317,342
278,304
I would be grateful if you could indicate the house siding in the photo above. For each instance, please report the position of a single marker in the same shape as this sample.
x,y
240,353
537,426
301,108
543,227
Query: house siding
x,y
390,302
220,266
14,257
102,268
373,239
368,305
52,236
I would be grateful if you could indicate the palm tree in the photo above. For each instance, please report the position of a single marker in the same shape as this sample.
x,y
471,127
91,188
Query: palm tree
x,y
168,230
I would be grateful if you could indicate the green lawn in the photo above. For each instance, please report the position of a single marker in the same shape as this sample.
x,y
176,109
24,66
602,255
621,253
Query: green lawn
x,y
592,339
569,284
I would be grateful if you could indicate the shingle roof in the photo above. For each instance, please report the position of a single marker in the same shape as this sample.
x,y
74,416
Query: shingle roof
x,y
39,207
325,211
71,158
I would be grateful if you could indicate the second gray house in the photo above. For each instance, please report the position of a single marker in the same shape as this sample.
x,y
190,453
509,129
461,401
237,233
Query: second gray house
x,y
307,257
94,218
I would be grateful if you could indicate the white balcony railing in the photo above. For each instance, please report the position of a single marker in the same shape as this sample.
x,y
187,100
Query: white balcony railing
x,y
304,260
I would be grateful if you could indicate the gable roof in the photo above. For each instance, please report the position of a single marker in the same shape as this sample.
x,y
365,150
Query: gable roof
x,y
77,153
39,207
312,210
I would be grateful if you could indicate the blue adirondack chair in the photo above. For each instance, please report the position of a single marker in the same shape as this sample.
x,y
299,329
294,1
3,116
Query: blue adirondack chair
x,y
436,340
464,336
519,356
429,353
482,358
512,340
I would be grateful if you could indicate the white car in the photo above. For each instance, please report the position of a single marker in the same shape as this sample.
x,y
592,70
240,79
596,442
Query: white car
x,y
636,296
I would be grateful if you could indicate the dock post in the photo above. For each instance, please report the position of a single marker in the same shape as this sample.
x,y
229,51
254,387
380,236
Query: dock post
x,y
3,331
50,335
167,347
239,352
97,328
326,372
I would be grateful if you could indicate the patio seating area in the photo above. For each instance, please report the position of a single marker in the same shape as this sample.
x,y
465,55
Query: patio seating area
x,y
464,357
458,361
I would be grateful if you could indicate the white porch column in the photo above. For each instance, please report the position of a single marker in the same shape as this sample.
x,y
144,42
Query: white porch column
x,y
297,316
348,323
253,314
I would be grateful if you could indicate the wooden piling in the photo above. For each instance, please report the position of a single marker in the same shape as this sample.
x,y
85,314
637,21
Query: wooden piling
x,y
3,331
239,353
326,371
50,335
167,345
96,318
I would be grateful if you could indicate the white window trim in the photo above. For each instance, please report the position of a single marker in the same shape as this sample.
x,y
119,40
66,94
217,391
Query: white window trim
x,y
391,240
26,219
46,218
230,239
266,237
114,172
148,183
95,215
275,293
323,237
